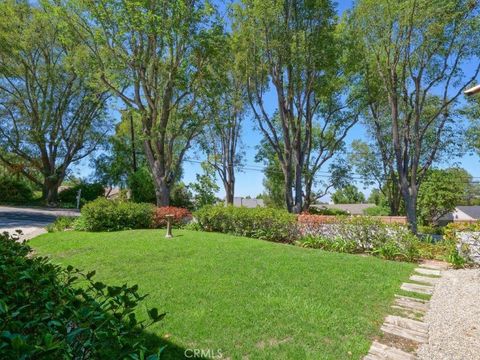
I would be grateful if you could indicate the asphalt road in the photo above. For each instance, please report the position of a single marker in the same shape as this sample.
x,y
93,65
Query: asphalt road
x,y
32,221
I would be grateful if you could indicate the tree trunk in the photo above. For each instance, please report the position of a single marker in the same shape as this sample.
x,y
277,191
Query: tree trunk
x,y
297,207
161,181
162,192
288,189
229,191
410,199
50,190
308,195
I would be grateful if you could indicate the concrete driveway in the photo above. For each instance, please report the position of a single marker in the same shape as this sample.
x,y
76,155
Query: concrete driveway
x,y
32,221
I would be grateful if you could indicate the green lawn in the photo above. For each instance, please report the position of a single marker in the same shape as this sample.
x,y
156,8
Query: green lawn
x,y
250,298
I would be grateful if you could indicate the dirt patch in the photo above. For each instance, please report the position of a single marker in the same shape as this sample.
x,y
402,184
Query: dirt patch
x,y
398,342
272,342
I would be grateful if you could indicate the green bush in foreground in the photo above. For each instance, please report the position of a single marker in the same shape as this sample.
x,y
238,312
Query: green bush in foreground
x,y
261,223
45,314
14,191
114,215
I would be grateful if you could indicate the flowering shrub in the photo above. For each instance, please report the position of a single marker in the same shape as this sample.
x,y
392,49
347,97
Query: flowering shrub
x,y
261,223
181,216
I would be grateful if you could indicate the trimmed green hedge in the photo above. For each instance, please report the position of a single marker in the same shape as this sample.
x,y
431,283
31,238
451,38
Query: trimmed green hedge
x,y
89,192
114,215
50,312
261,223
14,191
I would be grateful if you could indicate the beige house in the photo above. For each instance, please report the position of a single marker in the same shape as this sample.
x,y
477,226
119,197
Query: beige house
x,y
462,213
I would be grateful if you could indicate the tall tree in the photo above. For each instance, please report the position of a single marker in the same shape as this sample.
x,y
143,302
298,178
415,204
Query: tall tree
x,y
50,113
348,195
374,163
205,187
274,181
290,46
222,136
157,57
440,193
414,52
123,153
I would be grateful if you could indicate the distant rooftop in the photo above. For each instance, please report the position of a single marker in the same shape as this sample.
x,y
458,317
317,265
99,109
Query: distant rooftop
x,y
472,211
352,209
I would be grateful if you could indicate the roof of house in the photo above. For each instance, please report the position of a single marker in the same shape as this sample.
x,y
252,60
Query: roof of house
x,y
353,209
472,211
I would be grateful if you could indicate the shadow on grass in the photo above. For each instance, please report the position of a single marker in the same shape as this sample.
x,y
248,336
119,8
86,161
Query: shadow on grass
x,y
171,351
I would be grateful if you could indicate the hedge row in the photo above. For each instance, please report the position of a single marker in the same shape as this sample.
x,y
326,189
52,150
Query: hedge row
x,y
114,215
261,223
14,191
88,193
342,233
50,312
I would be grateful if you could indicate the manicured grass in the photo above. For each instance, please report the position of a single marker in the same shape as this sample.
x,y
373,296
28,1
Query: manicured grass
x,y
247,297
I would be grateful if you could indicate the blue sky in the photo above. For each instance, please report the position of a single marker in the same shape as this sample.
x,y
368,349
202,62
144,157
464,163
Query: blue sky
x,y
250,182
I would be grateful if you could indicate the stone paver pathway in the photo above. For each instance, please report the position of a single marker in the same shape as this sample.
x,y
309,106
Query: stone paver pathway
x,y
405,331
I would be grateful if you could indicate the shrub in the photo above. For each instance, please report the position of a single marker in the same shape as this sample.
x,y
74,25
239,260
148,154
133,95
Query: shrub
x,y
89,192
450,231
113,215
430,230
261,223
358,234
376,211
141,186
181,216
181,196
62,223
14,191
50,312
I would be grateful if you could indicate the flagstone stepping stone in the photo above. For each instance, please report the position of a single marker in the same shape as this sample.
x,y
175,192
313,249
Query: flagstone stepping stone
x,y
385,352
408,312
407,323
411,303
427,271
422,289
434,265
424,279
418,336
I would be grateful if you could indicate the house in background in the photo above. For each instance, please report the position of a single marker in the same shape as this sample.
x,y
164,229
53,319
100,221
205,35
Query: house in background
x,y
247,202
462,214
352,209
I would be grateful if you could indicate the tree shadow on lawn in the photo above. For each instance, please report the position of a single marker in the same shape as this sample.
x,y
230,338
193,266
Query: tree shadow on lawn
x,y
171,352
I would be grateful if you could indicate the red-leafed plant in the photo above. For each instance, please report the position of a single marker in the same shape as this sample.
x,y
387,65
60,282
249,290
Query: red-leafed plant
x,y
181,216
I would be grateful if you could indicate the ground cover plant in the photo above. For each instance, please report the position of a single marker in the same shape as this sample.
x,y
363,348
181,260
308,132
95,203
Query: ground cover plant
x,y
45,314
242,296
